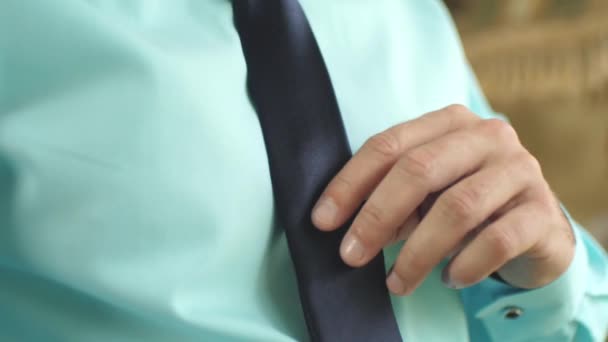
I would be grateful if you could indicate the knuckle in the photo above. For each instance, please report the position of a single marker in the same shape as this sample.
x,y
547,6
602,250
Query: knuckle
x,y
339,190
548,207
370,227
459,203
372,215
499,129
529,164
458,109
411,265
385,144
502,243
457,115
419,163
342,182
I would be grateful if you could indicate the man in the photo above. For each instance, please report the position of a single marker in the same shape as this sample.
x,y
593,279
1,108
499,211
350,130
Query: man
x,y
137,203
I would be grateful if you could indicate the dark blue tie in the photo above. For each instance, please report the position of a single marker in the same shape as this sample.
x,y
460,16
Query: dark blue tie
x,y
306,144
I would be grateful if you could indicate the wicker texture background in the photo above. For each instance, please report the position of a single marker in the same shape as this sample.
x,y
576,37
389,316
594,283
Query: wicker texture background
x,y
544,63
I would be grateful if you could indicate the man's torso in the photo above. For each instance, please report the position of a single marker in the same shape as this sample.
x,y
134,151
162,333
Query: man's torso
x,y
136,201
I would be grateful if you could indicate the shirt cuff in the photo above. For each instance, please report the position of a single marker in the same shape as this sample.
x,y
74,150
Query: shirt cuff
x,y
519,314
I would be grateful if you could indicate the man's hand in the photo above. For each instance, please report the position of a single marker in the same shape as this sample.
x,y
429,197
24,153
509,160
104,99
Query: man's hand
x,y
490,208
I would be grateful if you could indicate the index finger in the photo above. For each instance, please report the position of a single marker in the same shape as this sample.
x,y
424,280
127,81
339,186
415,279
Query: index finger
x,y
360,176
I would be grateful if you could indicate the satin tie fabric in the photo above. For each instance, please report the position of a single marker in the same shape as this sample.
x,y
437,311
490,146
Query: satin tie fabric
x,y
306,144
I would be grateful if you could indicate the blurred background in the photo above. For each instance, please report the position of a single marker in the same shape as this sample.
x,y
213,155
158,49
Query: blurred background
x,y
544,64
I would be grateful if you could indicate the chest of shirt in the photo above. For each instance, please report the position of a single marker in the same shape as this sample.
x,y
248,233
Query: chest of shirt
x,y
133,155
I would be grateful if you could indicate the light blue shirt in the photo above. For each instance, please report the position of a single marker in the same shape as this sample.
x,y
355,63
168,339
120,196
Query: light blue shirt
x,y
135,197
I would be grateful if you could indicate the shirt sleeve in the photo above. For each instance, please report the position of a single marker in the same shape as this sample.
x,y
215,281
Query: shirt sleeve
x,y
574,307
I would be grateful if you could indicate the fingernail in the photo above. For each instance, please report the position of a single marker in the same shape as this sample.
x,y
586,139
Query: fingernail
x,y
395,284
455,285
352,250
324,212
451,283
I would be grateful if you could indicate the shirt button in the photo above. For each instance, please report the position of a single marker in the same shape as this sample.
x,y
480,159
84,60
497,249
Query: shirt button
x,y
512,312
